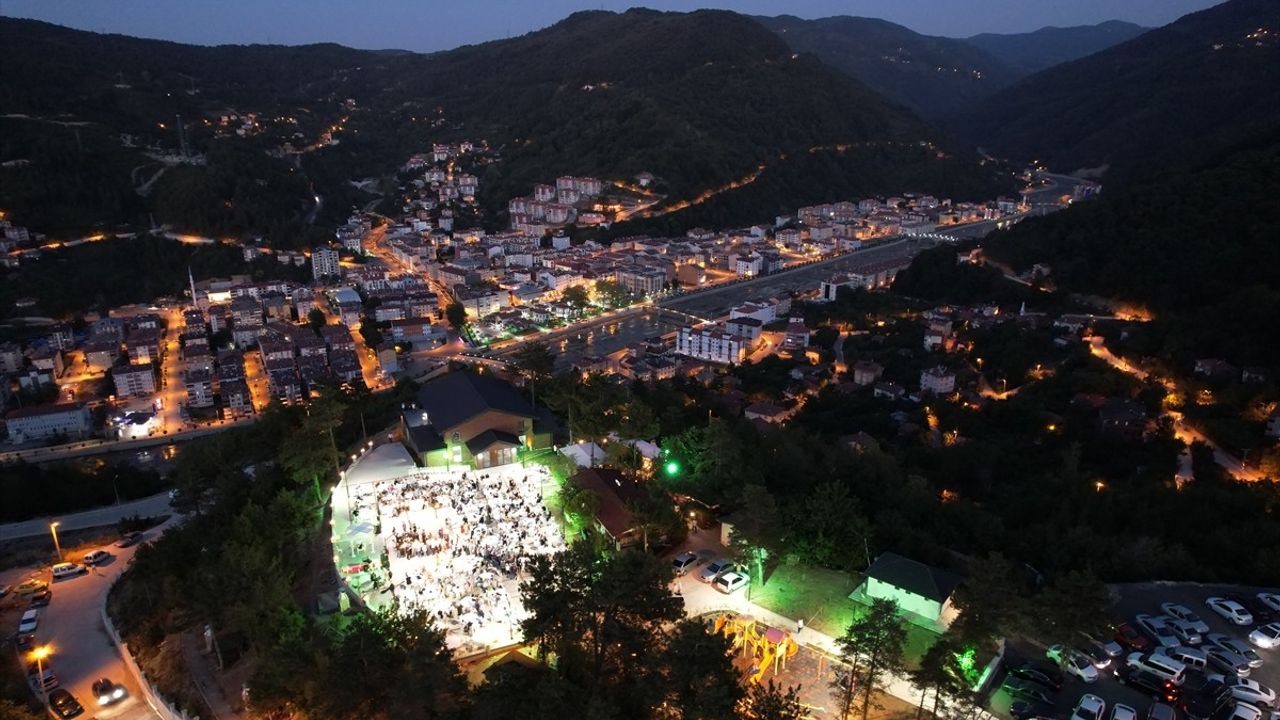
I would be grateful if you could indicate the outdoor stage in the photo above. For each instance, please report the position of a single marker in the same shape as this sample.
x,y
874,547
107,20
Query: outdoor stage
x,y
451,543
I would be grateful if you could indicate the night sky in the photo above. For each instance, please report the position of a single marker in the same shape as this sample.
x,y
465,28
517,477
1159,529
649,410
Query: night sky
x,y
427,25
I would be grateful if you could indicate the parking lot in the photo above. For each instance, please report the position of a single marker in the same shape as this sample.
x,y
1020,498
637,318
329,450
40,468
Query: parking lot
x,y
1135,599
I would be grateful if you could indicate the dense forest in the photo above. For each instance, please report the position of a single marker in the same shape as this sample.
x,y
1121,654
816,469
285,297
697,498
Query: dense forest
x,y
1172,97
1195,247
697,99
121,271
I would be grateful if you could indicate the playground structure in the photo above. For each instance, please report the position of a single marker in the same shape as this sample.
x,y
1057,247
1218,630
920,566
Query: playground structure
x,y
764,645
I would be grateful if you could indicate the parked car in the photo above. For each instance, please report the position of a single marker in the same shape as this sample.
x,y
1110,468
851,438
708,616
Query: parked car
x,y
1244,711
1026,690
683,562
1260,611
66,569
29,622
1073,662
1205,700
1186,632
41,598
97,557
38,677
1185,614
1089,707
1166,667
1051,679
1238,647
1027,709
1162,711
64,704
129,539
1159,688
1270,599
1120,711
1157,628
1227,661
1128,636
28,586
107,692
730,581
1097,654
1193,658
24,642
1047,677
1266,636
4,590
1246,690
714,568
1110,647
1231,610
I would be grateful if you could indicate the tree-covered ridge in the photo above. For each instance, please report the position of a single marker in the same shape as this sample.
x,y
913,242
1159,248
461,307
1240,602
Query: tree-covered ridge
x,y
1197,248
1030,52
697,99
933,76
1174,95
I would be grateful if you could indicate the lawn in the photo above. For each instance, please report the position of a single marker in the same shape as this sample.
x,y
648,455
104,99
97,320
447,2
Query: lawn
x,y
821,598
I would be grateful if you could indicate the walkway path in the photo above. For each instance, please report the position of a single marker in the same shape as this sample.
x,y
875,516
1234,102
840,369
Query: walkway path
x,y
157,504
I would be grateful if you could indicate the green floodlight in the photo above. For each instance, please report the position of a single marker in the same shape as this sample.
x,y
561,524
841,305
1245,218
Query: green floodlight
x,y
672,468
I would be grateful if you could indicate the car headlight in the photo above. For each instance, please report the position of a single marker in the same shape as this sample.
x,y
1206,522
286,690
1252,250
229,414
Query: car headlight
x,y
119,693
104,699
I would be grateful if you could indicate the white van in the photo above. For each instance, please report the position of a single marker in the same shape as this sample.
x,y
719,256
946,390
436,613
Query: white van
x,y
66,570
1191,657
1166,667
30,620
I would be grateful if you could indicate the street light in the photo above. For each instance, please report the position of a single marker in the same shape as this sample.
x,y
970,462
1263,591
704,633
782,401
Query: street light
x,y
39,654
53,530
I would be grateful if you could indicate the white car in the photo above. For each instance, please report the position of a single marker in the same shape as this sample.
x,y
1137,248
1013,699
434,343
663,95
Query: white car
x,y
1185,631
1120,711
1231,644
1090,707
730,582
1185,614
97,557
1073,662
1267,636
1246,690
1231,610
1270,599
29,622
1245,711
1157,628
683,562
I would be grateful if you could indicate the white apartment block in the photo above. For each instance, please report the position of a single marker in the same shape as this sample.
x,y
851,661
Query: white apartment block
x,y
134,381
37,423
324,262
712,344
938,380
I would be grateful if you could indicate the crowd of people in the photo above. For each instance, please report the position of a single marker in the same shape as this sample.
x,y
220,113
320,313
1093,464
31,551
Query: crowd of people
x,y
457,542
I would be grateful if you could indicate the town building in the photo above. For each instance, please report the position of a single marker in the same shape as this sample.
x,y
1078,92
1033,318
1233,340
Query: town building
x,y
923,593
711,343
61,420
324,263
938,380
866,372
133,381
616,491
464,418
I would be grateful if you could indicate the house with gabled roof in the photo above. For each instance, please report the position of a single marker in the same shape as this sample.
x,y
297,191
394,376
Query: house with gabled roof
x,y
465,418
923,593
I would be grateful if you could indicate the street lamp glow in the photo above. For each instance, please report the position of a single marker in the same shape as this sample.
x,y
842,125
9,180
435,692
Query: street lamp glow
x,y
41,652
672,468
53,530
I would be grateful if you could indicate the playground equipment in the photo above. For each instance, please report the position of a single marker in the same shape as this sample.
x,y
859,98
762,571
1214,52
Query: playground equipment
x,y
763,644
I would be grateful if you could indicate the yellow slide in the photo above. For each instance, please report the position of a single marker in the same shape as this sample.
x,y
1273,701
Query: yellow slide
x,y
765,659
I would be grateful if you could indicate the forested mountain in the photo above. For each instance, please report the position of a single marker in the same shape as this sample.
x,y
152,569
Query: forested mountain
x,y
1197,247
933,76
698,99
1026,53
1174,96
